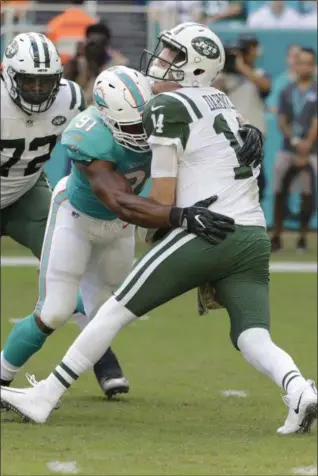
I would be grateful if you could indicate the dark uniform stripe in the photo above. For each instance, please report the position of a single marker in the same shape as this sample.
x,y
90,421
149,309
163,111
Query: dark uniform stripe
x,y
69,371
192,104
82,105
46,52
61,379
286,376
73,93
148,262
35,51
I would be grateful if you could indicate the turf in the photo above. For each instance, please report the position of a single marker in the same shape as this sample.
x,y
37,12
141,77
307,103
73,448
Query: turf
x,y
175,421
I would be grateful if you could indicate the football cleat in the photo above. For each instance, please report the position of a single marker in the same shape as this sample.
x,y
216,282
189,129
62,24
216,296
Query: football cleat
x,y
302,410
32,381
4,383
113,386
32,404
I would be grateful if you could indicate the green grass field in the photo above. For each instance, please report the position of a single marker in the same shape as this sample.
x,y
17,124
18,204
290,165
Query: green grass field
x,y
175,421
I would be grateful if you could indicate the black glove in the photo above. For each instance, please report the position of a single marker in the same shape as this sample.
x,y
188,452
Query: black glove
x,y
197,219
252,151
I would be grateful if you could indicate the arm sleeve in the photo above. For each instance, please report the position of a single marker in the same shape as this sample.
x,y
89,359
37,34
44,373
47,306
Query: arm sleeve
x,y
164,161
166,121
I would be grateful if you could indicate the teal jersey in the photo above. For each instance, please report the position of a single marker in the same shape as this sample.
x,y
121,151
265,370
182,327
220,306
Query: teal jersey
x,y
87,138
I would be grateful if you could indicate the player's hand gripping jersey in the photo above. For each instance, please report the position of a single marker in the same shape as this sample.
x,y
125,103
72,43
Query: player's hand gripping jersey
x,y
87,138
27,140
203,125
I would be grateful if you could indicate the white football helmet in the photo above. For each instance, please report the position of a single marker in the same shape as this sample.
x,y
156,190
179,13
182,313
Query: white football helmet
x,y
189,54
120,95
32,71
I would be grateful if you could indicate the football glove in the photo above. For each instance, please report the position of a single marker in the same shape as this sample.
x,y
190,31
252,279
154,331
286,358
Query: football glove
x,y
252,150
201,221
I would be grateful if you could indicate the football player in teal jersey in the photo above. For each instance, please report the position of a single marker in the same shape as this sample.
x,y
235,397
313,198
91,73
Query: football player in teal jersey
x,y
86,246
89,242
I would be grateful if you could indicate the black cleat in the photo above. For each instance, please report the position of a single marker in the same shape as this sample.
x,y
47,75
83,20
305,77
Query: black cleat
x,y
114,386
4,383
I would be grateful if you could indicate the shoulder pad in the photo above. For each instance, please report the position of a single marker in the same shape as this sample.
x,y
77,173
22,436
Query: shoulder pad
x,y
76,95
87,137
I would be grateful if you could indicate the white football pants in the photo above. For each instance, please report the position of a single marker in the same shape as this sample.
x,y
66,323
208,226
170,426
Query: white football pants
x,y
80,252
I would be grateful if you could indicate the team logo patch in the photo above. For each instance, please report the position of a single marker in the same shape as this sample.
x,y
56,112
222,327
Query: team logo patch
x,y
206,47
59,120
12,49
99,97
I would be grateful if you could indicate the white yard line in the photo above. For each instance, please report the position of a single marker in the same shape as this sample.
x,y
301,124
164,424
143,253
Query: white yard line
x,y
275,267
306,470
66,467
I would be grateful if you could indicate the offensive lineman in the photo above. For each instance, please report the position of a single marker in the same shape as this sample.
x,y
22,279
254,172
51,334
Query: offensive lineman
x,y
36,106
193,135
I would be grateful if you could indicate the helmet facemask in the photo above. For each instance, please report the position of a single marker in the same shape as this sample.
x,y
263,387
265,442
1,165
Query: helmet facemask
x,y
167,60
130,135
34,93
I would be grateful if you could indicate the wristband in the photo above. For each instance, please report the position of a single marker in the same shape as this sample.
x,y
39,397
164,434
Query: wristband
x,y
176,217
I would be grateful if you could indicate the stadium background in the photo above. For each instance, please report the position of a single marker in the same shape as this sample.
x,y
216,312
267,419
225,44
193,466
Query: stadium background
x,y
133,30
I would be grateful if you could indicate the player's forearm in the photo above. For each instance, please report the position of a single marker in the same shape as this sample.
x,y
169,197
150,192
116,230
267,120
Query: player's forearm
x,y
143,211
137,210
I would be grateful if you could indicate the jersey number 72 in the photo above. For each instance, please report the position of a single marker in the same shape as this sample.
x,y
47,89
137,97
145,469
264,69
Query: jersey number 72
x,y
18,146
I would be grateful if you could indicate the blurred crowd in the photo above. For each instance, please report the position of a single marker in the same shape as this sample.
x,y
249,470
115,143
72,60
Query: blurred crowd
x,y
257,14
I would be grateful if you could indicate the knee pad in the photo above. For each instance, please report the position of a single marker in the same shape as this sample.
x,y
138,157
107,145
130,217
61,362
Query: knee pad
x,y
56,311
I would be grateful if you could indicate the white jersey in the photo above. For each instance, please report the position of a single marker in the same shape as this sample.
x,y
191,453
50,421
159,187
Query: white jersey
x,y
28,140
203,125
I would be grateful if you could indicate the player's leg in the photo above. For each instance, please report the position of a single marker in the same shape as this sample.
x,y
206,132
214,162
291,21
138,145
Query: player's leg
x,y
107,268
26,219
65,253
245,294
308,185
176,264
283,167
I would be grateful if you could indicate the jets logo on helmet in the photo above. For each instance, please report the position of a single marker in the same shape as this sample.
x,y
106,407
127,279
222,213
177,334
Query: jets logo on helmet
x,y
11,49
32,71
206,47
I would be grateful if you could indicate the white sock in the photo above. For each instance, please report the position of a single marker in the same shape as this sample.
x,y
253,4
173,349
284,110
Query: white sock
x,y
260,351
7,370
90,345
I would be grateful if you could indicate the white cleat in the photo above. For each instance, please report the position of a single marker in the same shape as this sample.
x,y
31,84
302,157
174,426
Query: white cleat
x,y
33,381
32,404
302,410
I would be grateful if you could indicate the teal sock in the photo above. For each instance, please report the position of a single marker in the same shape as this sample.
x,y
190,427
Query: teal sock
x,y
24,340
79,305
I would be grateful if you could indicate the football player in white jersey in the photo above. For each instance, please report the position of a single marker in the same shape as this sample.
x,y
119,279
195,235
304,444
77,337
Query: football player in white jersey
x,y
36,107
194,135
